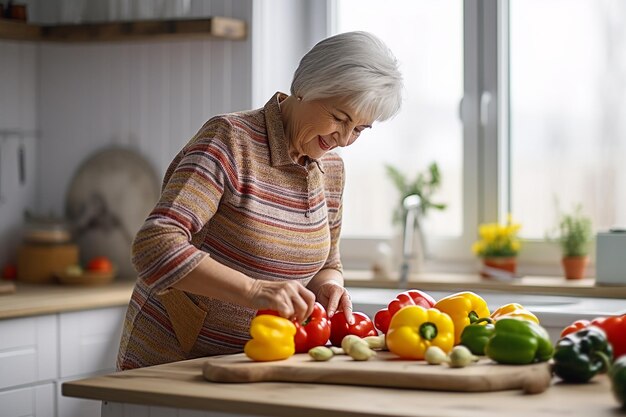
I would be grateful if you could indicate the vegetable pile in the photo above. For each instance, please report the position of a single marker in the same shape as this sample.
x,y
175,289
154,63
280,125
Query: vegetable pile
x,y
453,331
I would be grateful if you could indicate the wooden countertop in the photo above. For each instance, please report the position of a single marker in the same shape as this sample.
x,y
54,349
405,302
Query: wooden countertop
x,y
30,299
180,385
474,282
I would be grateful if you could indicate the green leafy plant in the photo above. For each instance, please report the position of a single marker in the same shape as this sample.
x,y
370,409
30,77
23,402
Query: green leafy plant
x,y
575,233
424,185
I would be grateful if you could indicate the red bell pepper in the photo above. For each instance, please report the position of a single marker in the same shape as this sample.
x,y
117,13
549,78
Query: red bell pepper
x,y
315,330
614,327
406,298
574,327
339,327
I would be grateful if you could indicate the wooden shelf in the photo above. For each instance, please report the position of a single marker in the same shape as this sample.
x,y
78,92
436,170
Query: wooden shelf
x,y
215,27
18,31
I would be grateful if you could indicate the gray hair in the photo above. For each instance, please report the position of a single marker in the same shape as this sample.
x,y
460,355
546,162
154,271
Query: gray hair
x,y
354,65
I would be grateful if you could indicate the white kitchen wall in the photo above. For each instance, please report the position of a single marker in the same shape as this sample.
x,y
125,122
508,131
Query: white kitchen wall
x,y
79,98
149,95
18,130
282,32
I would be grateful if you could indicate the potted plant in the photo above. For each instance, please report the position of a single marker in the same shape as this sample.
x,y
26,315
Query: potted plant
x,y
575,234
498,246
424,185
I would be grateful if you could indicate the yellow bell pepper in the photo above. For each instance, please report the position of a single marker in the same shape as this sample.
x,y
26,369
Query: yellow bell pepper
x,y
413,329
464,308
272,338
514,310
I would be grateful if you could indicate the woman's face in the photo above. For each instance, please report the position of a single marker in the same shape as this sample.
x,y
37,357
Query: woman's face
x,y
317,126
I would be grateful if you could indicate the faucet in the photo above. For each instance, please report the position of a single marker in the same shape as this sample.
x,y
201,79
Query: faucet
x,y
411,205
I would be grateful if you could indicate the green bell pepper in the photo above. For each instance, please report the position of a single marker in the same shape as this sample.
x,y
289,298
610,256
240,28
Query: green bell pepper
x,y
618,379
580,356
476,335
519,342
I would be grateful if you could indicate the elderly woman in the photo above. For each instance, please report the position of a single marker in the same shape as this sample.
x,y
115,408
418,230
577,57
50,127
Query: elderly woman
x,y
250,210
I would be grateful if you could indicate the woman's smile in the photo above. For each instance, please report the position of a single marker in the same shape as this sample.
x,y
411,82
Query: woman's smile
x,y
323,145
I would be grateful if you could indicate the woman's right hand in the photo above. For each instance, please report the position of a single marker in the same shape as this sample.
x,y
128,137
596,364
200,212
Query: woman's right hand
x,y
289,298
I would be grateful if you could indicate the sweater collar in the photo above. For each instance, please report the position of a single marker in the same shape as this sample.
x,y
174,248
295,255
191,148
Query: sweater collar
x,y
279,148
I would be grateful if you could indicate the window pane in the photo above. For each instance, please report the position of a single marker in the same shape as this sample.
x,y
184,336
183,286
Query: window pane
x,y
568,110
427,39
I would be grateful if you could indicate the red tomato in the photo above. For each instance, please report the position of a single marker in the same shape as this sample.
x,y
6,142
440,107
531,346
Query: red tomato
x,y
314,332
339,327
100,264
9,272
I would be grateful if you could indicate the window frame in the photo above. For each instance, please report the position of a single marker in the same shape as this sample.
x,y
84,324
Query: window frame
x,y
538,256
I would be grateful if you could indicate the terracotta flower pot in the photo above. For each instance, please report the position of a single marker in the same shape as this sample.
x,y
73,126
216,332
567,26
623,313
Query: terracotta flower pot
x,y
508,264
575,266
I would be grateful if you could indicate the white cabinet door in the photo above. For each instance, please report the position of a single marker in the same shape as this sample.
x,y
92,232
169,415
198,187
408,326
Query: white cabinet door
x,y
28,350
35,401
90,340
76,407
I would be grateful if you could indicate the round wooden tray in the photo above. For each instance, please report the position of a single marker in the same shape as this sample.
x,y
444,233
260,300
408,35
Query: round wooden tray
x,y
86,278
107,202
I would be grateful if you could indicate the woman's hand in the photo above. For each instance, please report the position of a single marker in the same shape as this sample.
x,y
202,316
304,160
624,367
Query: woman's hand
x,y
289,298
333,296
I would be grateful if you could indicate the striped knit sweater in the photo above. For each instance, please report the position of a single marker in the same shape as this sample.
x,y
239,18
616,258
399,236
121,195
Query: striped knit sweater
x,y
232,193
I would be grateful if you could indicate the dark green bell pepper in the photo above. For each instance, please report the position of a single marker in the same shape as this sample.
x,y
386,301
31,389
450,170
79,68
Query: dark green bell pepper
x,y
519,342
476,335
580,356
618,379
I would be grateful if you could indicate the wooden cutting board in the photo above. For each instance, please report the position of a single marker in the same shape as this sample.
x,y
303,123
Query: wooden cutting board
x,y
385,370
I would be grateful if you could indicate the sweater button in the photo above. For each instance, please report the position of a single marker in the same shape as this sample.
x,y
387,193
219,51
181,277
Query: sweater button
x,y
307,214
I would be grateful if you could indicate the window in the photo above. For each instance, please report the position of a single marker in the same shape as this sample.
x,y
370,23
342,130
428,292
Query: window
x,y
428,128
427,37
567,111
543,119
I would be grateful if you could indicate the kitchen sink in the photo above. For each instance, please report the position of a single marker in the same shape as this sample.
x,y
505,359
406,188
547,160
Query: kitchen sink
x,y
547,303
549,306
380,296
529,300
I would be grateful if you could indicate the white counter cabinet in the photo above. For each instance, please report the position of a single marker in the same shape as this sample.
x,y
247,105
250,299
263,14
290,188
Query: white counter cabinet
x,y
28,350
29,401
89,340
39,353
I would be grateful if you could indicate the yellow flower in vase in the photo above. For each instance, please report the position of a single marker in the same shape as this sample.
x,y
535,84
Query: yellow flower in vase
x,y
498,245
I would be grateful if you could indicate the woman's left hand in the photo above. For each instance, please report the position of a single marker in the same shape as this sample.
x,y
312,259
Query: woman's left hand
x,y
333,296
